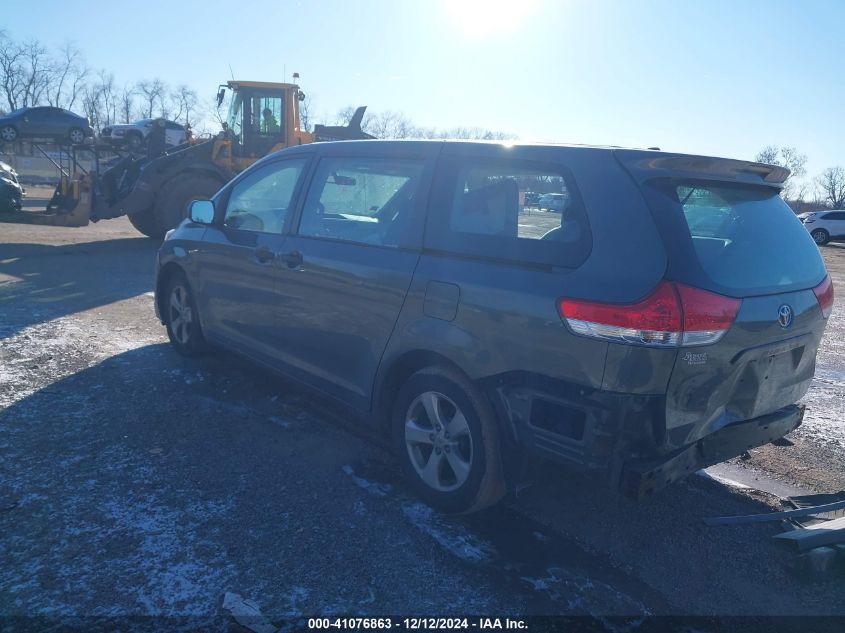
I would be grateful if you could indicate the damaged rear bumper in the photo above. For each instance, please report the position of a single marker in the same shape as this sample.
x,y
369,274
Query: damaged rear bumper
x,y
622,437
642,477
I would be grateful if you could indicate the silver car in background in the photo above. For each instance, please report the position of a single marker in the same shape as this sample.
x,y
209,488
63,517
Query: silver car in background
x,y
134,135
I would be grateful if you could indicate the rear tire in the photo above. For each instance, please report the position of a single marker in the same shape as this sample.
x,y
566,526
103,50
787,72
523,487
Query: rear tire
x,y
820,237
172,202
181,318
447,441
76,136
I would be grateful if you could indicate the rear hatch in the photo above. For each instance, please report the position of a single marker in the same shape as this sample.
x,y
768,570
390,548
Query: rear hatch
x,y
728,232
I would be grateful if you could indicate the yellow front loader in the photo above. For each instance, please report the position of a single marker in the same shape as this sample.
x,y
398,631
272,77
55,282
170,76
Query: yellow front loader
x,y
155,191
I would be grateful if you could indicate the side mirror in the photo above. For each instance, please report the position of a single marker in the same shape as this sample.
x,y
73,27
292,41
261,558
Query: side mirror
x,y
202,211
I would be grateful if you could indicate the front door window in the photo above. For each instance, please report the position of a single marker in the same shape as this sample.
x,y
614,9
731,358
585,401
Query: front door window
x,y
261,200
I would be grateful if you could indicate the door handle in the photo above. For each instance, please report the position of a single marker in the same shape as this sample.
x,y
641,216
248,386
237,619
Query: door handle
x,y
263,255
292,259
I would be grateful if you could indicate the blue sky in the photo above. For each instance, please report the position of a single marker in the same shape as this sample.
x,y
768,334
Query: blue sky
x,y
716,77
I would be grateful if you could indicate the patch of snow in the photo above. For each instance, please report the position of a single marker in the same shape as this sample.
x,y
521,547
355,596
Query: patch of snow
x,y
451,536
378,489
590,597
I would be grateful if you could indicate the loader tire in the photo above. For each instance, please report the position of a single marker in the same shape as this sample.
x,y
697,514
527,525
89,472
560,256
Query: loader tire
x,y
172,202
145,222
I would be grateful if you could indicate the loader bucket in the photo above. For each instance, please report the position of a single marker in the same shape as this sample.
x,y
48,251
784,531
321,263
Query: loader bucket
x,y
70,205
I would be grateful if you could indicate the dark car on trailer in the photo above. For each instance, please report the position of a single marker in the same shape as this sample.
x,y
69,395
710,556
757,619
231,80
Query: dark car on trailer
x,y
666,319
55,124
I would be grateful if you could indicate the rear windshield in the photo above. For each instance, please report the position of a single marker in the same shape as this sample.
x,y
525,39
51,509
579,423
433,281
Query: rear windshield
x,y
744,239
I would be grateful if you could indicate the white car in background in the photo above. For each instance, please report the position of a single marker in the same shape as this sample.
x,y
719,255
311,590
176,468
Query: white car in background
x,y
825,226
134,135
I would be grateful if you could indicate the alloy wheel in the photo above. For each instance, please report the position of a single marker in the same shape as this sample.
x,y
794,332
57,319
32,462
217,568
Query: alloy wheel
x,y
181,316
438,441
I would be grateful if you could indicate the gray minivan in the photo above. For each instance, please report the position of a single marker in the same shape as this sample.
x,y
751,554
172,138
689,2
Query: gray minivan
x,y
666,318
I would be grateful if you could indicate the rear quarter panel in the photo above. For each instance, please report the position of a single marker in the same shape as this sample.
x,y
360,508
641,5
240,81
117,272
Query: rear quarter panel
x,y
507,318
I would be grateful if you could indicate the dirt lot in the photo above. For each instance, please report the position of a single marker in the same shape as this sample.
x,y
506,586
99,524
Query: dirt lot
x,y
133,481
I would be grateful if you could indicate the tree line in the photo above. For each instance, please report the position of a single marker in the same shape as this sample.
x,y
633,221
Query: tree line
x,y
33,75
826,190
395,125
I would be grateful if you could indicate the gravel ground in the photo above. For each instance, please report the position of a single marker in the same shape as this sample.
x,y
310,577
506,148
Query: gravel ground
x,y
133,481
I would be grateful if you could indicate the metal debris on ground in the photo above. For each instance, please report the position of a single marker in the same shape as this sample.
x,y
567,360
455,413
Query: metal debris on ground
x,y
810,536
816,524
247,613
777,516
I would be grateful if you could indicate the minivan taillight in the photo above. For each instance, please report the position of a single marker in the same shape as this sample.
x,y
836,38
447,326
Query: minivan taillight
x,y
707,316
824,295
671,315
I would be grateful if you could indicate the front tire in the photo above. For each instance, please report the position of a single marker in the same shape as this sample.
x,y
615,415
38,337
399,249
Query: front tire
x,y
447,441
820,237
8,134
181,318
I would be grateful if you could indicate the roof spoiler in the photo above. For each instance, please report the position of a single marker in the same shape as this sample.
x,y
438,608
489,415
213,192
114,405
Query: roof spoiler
x,y
645,165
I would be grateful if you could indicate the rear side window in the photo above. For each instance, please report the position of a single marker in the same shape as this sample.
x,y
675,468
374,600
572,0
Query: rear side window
x,y
508,209
364,200
745,238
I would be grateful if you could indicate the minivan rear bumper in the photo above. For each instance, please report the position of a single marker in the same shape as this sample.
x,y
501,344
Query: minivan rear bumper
x,y
641,477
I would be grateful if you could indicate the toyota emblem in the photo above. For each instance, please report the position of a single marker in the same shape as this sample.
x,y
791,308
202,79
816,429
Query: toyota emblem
x,y
785,316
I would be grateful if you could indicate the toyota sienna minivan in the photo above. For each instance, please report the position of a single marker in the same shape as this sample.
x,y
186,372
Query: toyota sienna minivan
x,y
666,318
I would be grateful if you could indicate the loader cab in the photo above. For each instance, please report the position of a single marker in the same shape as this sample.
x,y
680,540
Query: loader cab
x,y
263,117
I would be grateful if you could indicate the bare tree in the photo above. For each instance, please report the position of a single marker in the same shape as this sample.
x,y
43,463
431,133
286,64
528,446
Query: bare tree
x,y
100,100
109,96
92,103
152,94
68,73
24,71
185,102
831,184
10,70
390,125
127,103
36,72
398,125
794,161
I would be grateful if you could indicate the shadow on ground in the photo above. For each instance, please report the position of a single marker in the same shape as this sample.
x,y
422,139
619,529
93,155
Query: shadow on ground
x,y
152,484
39,282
